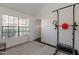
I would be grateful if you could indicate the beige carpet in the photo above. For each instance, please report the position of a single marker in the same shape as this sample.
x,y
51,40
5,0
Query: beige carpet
x,y
31,48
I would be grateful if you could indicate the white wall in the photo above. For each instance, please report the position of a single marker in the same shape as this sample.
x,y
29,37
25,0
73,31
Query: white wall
x,y
18,40
48,33
35,29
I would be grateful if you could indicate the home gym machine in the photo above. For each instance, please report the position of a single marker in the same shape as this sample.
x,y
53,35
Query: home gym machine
x,y
64,47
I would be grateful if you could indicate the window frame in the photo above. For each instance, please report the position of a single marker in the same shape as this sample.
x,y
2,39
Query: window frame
x,y
18,26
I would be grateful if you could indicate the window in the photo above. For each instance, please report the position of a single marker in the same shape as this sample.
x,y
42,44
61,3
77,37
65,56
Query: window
x,y
13,26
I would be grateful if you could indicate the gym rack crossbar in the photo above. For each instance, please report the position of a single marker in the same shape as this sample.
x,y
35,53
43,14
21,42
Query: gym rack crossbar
x,y
73,40
65,7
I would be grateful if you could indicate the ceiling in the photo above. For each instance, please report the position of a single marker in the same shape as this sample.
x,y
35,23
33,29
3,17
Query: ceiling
x,y
27,8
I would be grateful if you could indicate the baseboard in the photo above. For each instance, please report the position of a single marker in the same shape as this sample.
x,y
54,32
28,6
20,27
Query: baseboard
x,y
39,40
46,44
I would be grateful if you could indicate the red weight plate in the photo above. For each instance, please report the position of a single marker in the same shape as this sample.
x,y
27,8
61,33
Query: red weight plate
x,y
65,26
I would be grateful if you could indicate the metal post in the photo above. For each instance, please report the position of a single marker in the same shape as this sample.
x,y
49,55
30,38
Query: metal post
x,y
73,40
57,32
57,27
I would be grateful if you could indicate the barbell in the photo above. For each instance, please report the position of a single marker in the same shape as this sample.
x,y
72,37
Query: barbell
x,y
64,25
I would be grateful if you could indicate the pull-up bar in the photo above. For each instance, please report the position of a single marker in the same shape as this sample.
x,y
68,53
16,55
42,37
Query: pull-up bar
x,y
65,7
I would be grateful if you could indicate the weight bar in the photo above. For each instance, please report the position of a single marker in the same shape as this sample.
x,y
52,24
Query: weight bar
x,y
64,25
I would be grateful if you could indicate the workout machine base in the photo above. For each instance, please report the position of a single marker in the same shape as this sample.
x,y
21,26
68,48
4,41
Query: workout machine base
x,y
65,49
